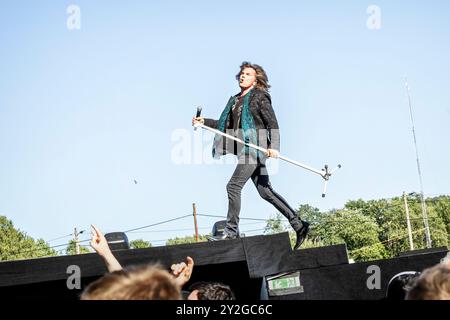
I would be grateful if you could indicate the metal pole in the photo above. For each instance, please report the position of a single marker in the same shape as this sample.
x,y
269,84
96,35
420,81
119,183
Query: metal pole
x,y
424,208
322,173
195,222
408,223
77,244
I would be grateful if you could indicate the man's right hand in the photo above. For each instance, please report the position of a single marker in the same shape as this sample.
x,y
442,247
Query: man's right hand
x,y
198,120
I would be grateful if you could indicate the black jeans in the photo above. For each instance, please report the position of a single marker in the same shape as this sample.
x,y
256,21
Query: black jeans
x,y
248,168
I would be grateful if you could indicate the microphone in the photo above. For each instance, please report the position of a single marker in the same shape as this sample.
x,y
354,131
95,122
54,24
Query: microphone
x,y
199,111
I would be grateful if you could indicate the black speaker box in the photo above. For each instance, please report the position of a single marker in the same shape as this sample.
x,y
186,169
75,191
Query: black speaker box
x,y
219,228
117,240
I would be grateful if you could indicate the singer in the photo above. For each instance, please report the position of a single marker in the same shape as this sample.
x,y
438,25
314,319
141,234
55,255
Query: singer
x,y
249,116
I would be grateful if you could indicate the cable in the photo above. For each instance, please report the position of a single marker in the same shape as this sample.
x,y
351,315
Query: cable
x,y
389,240
86,240
214,216
172,230
69,235
188,229
396,239
155,224
38,249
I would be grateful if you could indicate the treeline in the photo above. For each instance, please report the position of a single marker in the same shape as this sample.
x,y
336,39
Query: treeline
x,y
16,244
377,229
373,229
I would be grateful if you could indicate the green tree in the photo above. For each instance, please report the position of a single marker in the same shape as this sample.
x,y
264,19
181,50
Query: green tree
x,y
310,214
390,215
357,231
436,221
16,244
314,217
139,243
275,225
441,205
187,239
71,248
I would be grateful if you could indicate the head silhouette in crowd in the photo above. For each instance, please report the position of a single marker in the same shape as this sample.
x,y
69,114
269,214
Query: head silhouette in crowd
x,y
210,291
138,283
433,284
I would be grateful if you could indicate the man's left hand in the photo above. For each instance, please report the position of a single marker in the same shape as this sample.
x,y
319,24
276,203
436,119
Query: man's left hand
x,y
272,153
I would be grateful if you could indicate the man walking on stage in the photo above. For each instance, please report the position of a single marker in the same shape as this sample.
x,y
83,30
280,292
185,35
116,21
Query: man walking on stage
x,y
249,116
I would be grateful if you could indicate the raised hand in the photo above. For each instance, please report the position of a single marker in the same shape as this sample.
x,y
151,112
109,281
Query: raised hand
x,y
100,245
183,271
99,242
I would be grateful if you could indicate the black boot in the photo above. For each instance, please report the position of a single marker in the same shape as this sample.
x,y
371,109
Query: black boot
x,y
301,235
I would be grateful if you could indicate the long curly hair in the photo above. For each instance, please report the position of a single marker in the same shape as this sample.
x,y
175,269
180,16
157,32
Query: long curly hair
x,y
262,82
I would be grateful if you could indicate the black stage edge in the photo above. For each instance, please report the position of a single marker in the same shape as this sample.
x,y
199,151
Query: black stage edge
x,y
245,264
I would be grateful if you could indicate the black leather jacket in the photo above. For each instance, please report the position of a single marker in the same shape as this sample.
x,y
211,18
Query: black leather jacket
x,y
263,115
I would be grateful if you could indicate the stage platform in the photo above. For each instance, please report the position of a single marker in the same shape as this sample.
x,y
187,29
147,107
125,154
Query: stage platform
x,y
249,265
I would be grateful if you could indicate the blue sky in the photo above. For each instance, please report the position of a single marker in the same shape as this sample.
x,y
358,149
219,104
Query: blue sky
x,y
85,112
